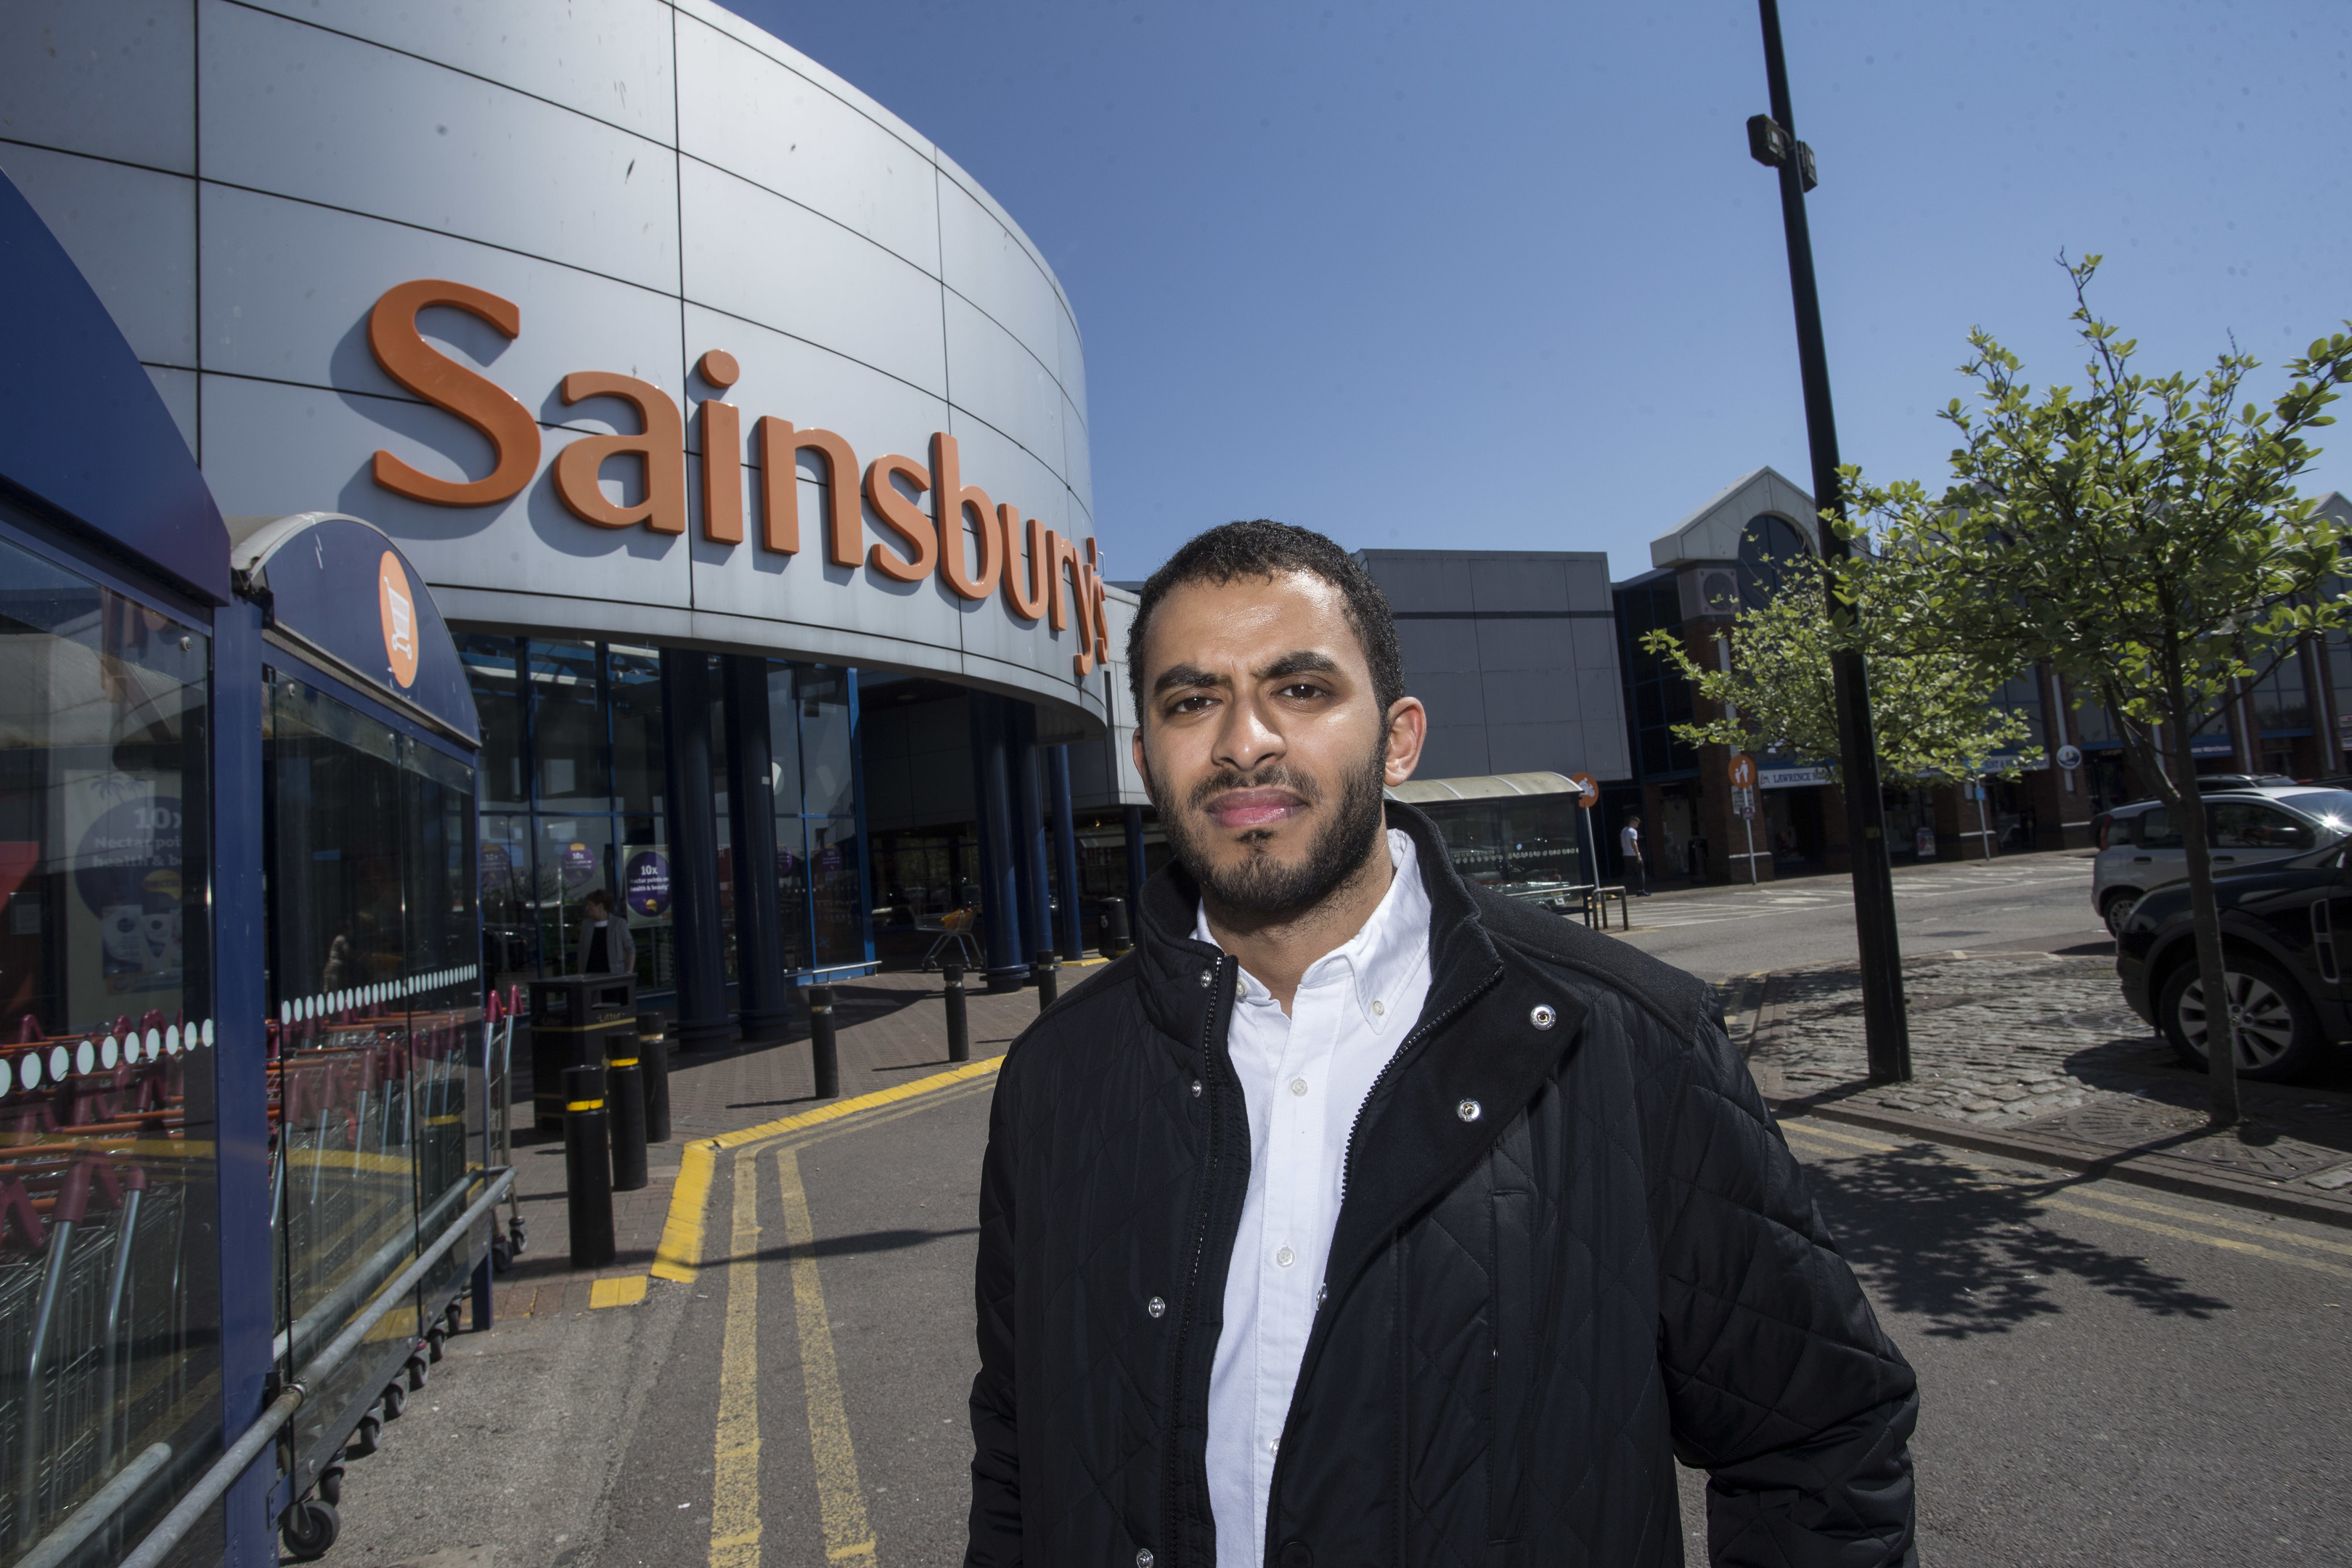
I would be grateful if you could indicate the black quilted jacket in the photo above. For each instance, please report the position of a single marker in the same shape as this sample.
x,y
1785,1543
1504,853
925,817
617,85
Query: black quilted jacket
x,y
1566,1256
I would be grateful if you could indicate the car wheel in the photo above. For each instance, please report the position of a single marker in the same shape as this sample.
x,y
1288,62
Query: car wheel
x,y
2278,1032
2118,908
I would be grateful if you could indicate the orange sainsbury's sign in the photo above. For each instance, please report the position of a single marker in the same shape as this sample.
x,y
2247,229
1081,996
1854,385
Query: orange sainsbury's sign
x,y
1041,575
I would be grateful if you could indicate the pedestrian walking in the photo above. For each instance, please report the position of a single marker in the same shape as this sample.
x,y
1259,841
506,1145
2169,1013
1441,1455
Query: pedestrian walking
x,y
1628,849
1361,1216
605,946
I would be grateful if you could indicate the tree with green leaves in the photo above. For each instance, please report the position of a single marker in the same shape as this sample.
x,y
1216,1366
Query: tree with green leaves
x,y
1930,714
2143,535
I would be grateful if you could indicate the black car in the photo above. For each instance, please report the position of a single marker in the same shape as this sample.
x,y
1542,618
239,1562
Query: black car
x,y
2287,977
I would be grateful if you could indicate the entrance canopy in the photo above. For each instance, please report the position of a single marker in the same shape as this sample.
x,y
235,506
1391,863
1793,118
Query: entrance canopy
x,y
1489,786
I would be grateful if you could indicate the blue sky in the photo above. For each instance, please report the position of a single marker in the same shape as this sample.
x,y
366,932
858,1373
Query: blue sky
x,y
1502,275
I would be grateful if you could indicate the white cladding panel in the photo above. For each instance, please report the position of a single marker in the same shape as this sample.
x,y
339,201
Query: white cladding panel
x,y
645,183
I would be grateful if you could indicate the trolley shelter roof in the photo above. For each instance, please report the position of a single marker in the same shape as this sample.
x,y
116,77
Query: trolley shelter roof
x,y
83,432
1489,786
340,591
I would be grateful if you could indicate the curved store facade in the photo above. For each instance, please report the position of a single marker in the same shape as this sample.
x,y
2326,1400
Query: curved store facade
x,y
625,457
705,395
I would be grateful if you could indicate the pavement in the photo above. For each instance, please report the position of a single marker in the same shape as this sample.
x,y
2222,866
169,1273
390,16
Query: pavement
x,y
775,1369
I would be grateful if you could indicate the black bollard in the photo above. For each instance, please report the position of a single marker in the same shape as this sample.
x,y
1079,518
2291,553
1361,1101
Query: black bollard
x,y
587,1167
625,1096
823,1051
1116,937
653,1057
1047,969
958,1025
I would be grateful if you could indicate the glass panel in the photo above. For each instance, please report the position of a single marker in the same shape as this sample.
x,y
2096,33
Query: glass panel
x,y
575,854
646,894
784,739
108,1305
722,809
632,684
510,924
375,1033
567,728
825,741
793,889
836,890
494,672
2279,701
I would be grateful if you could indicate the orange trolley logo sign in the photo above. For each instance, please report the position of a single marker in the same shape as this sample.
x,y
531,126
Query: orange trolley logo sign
x,y
397,604
1040,574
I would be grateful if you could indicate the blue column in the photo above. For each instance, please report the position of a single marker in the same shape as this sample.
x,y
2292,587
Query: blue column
x,y
857,795
1029,831
1071,928
694,849
239,1005
1133,818
992,794
751,811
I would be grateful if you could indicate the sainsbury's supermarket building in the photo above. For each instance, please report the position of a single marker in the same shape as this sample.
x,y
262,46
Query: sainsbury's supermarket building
x,y
709,399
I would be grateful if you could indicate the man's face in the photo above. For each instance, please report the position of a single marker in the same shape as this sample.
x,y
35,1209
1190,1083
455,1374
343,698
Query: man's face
x,y
1263,743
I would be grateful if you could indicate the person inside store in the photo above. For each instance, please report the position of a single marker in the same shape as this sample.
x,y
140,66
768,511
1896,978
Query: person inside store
x,y
1362,1215
605,946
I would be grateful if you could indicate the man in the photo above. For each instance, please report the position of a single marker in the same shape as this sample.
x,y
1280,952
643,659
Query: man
x,y
1359,1216
605,945
1629,849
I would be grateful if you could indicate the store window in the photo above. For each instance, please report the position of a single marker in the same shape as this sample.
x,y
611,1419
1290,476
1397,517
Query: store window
x,y
576,730
374,1037
109,1297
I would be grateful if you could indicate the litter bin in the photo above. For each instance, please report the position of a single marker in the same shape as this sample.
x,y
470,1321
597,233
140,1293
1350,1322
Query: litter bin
x,y
576,1020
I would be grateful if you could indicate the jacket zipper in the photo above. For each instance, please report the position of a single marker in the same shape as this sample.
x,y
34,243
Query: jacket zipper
x,y
1200,1239
1348,1158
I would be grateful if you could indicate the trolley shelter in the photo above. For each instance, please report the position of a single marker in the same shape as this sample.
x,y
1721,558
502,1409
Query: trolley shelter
x,y
244,1157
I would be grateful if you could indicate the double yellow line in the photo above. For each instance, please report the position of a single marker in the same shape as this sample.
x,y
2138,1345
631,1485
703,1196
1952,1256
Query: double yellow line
x,y
2110,1206
735,1523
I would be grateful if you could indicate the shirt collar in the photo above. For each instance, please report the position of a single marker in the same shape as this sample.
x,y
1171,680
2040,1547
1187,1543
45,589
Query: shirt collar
x,y
1382,960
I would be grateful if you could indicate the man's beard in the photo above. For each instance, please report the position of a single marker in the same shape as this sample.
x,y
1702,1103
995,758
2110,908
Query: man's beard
x,y
1261,885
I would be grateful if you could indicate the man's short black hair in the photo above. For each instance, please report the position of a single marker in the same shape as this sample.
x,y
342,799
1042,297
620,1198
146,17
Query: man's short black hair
x,y
1264,548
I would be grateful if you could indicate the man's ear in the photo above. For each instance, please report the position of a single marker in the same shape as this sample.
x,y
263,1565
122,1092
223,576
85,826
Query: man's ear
x,y
1141,766
1408,731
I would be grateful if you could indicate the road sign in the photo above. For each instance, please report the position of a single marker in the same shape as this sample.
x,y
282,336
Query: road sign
x,y
1743,802
1743,772
1592,795
2070,757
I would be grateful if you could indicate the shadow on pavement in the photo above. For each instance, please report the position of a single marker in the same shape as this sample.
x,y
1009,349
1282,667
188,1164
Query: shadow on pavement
x,y
850,1246
1973,1259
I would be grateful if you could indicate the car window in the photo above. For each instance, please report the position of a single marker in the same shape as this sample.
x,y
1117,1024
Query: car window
x,y
2332,807
2249,825
2154,829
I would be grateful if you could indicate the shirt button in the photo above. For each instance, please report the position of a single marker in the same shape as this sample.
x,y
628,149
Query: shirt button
x,y
1298,1086
1285,1257
1379,1008
1272,1445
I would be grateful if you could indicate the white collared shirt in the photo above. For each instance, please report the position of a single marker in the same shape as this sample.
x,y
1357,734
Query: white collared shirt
x,y
1304,1078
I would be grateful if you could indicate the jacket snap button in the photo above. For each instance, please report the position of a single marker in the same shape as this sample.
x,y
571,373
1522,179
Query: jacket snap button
x,y
1298,1555
1469,1110
1543,1018
1143,1558
1156,1307
1208,977
1196,1088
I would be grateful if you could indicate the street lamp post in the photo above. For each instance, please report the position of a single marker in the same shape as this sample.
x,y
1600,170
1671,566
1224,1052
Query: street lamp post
x,y
1773,140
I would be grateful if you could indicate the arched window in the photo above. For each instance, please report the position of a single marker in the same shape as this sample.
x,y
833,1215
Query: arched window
x,y
1771,552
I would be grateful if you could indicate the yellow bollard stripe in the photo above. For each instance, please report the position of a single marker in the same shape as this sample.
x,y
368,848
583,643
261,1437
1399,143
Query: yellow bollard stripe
x,y
585,1105
622,1062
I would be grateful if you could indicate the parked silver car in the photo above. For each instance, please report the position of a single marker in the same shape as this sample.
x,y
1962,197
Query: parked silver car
x,y
2141,846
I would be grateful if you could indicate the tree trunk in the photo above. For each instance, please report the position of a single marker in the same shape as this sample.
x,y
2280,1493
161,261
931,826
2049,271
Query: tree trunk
x,y
2205,918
